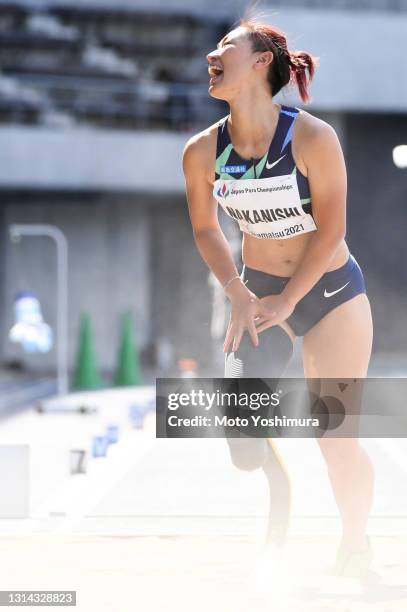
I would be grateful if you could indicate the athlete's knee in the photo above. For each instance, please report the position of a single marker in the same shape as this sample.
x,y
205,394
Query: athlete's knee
x,y
268,360
247,453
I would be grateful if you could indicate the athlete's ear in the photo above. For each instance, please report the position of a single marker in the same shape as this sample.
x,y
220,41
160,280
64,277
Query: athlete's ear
x,y
263,60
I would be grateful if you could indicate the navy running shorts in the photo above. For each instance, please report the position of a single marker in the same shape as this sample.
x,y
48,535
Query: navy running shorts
x,y
333,288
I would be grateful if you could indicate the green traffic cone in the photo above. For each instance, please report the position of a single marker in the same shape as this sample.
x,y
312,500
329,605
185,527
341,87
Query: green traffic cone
x,y
128,371
86,373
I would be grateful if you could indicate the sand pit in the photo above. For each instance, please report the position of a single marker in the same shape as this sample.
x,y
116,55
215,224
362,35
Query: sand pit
x,y
194,573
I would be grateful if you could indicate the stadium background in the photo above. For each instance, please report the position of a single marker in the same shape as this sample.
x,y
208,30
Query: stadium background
x,y
97,99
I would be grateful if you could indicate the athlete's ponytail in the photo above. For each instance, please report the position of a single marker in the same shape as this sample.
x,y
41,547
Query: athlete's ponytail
x,y
301,62
287,66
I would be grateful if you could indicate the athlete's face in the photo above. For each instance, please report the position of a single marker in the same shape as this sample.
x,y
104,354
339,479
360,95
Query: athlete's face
x,y
233,65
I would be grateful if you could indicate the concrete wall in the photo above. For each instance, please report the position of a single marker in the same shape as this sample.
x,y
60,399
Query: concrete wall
x,y
181,297
377,213
90,159
109,272
125,253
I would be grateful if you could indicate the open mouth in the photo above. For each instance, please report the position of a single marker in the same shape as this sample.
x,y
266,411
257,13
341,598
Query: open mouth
x,y
215,72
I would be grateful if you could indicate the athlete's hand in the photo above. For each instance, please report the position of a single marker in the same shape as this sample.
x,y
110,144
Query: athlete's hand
x,y
273,309
245,308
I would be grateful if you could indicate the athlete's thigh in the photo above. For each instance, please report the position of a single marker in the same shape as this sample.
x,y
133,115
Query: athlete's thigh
x,y
340,344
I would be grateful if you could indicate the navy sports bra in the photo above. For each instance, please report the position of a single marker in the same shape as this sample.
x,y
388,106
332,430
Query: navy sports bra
x,y
268,197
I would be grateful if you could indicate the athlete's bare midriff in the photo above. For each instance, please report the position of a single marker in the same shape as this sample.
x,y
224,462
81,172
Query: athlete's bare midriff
x,y
281,257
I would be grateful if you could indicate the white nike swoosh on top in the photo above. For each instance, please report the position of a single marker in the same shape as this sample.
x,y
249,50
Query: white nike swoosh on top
x,y
268,166
328,294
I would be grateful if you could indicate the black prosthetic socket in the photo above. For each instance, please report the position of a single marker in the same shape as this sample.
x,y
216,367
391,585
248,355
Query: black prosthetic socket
x,y
268,360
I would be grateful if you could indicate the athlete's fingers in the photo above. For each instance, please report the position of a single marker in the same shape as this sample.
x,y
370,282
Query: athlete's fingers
x,y
263,319
228,338
260,320
251,328
238,337
265,325
227,341
227,333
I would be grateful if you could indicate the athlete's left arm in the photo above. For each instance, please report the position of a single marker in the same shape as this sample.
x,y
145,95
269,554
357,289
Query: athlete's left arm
x,y
327,180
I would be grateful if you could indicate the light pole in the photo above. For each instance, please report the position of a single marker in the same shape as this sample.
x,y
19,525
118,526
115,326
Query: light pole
x,y
18,230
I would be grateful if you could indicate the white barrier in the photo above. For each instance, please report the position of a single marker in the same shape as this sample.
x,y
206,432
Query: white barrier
x,y
14,480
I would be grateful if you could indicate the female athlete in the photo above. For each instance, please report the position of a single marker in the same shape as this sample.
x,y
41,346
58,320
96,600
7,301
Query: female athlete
x,y
279,172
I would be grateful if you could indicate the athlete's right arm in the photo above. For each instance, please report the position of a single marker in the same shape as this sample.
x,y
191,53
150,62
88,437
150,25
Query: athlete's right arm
x,y
210,240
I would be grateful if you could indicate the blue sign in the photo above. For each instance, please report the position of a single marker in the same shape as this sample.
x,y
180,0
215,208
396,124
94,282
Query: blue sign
x,y
234,169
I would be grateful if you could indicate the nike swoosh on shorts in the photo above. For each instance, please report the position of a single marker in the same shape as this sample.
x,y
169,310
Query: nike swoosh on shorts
x,y
268,166
329,293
